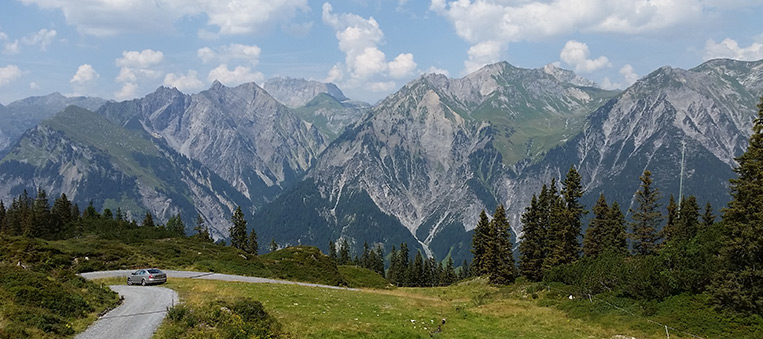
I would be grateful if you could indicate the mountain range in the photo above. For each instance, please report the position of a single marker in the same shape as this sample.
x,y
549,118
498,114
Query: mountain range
x,y
311,166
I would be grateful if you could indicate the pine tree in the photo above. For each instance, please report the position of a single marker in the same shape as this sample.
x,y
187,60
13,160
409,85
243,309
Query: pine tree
x,y
646,217
148,220
480,241
273,245
403,259
448,274
119,216
594,240
91,213
556,219
107,214
500,253
416,270
616,238
394,267
332,250
201,230
379,263
708,218
739,282
175,225
464,272
689,218
532,247
572,191
237,230
2,217
365,258
252,245
39,225
344,252
671,229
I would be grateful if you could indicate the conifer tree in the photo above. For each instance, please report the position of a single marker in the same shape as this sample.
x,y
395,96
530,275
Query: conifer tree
x,y
201,230
403,259
92,213
689,218
252,245
119,216
464,272
379,263
237,230
416,270
739,282
532,247
646,217
572,191
148,220
671,229
274,245
480,242
365,258
616,237
174,224
448,274
500,252
344,252
2,216
556,219
594,240
332,250
708,218
394,267
39,225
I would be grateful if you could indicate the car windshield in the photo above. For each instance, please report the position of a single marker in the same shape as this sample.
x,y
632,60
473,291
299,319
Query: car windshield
x,y
153,270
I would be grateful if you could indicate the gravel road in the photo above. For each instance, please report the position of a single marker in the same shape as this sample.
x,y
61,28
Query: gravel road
x,y
144,307
140,314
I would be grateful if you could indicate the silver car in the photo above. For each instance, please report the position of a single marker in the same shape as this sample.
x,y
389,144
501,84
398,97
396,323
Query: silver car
x,y
147,276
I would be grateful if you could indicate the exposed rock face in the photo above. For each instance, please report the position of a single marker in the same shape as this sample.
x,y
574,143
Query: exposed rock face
x,y
24,114
79,153
564,75
297,92
704,113
244,135
426,154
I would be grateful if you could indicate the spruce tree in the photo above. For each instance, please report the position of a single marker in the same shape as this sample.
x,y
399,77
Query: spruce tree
x,y
252,245
119,215
365,258
500,254
671,229
332,250
91,213
148,220
403,259
708,218
689,218
344,253
40,223
646,217
464,272
273,245
379,263
616,238
237,230
572,191
416,271
202,230
2,217
448,274
480,241
594,240
556,220
739,282
175,225
394,267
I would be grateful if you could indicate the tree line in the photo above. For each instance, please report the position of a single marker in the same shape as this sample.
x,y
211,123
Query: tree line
x,y
652,256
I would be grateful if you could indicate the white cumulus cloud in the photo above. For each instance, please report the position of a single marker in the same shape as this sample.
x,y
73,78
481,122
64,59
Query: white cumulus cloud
x,y
183,82
112,17
366,65
402,66
576,54
629,77
729,48
42,38
9,74
236,76
85,74
501,22
136,68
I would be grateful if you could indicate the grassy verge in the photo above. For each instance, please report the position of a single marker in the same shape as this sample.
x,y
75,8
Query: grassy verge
x,y
471,310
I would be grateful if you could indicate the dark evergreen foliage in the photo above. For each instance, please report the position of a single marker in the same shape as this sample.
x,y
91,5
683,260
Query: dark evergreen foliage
x,y
532,248
708,218
202,231
739,281
646,217
273,245
344,253
594,240
252,245
174,224
237,230
332,250
500,250
148,220
670,230
480,243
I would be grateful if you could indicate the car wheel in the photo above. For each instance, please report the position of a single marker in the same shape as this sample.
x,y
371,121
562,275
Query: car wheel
x,y
143,282
129,282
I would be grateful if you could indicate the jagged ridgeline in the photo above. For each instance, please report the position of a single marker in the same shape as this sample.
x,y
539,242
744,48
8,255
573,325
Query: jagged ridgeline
x,y
80,153
311,166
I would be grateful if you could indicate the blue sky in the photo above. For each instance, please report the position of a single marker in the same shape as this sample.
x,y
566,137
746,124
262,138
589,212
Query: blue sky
x,y
120,49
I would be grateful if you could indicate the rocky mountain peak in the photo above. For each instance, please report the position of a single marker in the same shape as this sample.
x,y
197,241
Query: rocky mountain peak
x,y
568,76
297,92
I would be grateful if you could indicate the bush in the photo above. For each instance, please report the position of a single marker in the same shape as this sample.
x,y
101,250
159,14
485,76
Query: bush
x,y
241,318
